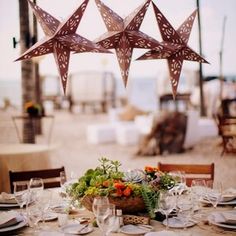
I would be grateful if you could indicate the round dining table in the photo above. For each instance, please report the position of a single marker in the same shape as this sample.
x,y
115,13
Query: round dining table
x,y
201,228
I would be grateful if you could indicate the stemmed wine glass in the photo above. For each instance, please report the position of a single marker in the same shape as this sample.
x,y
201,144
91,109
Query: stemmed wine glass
x,y
36,187
214,192
166,204
21,193
105,217
179,177
185,208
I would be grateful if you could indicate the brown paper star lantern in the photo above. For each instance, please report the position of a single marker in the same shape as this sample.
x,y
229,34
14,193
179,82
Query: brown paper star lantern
x,y
60,39
123,35
176,41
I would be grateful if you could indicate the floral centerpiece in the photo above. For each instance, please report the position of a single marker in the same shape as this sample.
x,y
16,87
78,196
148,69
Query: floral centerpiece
x,y
132,191
33,109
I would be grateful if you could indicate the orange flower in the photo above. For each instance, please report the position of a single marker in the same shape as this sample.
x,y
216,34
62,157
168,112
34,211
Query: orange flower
x,y
127,191
149,169
119,185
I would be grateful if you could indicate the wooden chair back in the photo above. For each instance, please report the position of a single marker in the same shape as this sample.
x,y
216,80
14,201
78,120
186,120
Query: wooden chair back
x,y
49,176
192,171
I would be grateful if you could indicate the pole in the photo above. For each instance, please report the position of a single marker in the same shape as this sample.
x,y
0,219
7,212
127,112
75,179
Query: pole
x,y
221,58
27,81
202,103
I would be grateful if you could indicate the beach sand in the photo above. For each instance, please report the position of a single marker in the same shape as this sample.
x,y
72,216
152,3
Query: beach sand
x,y
77,155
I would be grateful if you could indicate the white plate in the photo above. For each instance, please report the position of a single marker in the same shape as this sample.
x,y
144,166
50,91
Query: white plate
x,y
135,229
50,216
7,205
233,202
162,233
177,223
212,221
75,229
14,227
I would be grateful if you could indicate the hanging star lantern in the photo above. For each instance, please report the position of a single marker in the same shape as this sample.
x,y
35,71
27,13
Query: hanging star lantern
x,y
176,41
123,35
60,39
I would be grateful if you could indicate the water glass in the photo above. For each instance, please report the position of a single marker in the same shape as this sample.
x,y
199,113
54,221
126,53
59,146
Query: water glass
x,y
21,193
214,192
36,187
62,178
106,218
98,201
166,204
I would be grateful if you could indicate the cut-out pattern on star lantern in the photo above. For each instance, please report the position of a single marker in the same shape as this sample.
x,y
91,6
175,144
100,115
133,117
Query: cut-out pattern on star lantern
x,y
123,35
176,41
60,39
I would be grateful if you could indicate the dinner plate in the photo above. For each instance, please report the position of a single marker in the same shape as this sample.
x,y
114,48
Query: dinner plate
x,y
135,229
162,233
177,223
233,202
9,205
76,229
213,222
14,227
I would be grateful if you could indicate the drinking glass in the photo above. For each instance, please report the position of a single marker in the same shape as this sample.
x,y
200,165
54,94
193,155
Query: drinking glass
x,y
36,188
185,209
106,217
62,178
214,192
166,204
34,215
179,177
21,193
98,201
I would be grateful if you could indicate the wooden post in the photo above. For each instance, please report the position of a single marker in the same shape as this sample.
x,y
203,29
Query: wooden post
x,y
27,81
202,103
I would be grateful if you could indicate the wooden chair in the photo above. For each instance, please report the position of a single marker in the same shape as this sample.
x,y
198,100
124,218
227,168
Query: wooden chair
x,y
49,176
227,131
192,171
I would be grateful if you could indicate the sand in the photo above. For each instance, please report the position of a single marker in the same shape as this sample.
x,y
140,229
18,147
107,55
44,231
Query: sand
x,y
77,155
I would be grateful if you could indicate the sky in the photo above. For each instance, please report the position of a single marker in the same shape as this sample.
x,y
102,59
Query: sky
x,y
92,26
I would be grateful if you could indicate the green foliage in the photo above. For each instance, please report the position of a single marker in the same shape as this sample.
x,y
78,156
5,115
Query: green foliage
x,y
166,182
150,198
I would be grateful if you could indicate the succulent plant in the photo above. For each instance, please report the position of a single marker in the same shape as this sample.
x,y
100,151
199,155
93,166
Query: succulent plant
x,y
134,176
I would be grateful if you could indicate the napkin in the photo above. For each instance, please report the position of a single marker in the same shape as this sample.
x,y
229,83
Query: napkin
x,y
230,217
9,218
227,217
6,198
229,195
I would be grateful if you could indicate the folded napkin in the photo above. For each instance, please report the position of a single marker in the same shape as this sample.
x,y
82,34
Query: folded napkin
x,y
227,217
230,217
229,195
6,198
9,218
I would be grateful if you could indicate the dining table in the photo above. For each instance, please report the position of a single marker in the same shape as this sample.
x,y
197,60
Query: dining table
x,y
201,227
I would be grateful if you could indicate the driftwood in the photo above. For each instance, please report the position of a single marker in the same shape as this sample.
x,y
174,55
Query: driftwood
x,y
167,135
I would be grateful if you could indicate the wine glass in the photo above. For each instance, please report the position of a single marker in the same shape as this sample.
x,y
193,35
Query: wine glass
x,y
106,217
98,201
185,208
214,192
36,188
21,193
62,178
180,179
34,215
166,204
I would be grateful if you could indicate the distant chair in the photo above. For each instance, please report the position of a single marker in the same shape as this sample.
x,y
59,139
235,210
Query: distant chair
x,y
50,177
192,171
